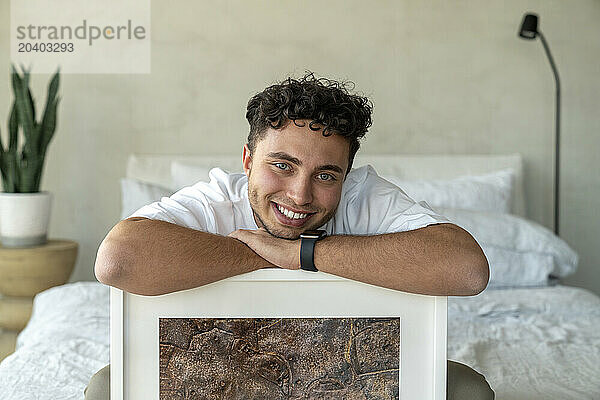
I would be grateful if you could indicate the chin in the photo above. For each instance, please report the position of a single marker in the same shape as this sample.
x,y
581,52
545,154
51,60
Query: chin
x,y
288,235
287,232
284,232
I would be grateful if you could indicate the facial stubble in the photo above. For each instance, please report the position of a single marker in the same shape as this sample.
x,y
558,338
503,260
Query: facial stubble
x,y
253,198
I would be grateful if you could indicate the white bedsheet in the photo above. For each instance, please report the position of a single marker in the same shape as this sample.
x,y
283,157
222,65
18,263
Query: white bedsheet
x,y
65,342
538,343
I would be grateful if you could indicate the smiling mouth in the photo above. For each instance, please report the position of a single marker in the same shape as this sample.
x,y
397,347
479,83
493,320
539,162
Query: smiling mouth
x,y
288,217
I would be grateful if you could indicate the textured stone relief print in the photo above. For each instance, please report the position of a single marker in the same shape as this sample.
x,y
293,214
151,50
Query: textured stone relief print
x,y
279,358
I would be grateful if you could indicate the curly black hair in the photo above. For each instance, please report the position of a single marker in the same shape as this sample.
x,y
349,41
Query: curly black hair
x,y
323,101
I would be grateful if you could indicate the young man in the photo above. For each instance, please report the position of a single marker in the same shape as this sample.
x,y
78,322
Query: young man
x,y
298,180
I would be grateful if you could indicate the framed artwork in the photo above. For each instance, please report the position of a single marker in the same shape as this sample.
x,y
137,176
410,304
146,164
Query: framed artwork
x,y
278,334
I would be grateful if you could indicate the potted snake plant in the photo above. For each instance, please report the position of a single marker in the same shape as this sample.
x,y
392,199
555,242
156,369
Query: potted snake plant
x,y
24,209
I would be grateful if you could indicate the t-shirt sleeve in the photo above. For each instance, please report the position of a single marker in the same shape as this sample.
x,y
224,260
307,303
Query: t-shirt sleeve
x,y
377,206
204,206
189,207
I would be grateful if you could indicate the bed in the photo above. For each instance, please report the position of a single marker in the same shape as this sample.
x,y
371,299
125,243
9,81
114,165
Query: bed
x,y
531,336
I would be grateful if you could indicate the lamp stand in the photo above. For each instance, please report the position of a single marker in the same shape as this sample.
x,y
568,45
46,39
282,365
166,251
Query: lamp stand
x,y
557,138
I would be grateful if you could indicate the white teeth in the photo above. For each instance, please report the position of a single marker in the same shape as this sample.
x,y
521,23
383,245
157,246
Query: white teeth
x,y
291,214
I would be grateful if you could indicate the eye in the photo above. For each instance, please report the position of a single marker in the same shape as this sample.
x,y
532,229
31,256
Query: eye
x,y
282,166
326,177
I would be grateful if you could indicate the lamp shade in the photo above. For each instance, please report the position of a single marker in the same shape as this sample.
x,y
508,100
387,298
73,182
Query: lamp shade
x,y
529,26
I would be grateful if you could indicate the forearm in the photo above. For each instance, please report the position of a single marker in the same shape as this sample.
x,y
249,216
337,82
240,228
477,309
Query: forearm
x,y
440,260
152,257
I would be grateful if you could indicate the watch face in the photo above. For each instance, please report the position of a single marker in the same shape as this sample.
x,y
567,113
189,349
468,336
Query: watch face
x,y
318,234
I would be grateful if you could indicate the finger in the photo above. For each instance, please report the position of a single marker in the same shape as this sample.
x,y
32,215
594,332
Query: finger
x,y
239,233
244,238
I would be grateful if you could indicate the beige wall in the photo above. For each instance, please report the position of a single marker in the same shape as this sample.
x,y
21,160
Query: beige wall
x,y
445,77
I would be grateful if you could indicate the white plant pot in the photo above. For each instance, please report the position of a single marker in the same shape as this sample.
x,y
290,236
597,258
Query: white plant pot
x,y
24,218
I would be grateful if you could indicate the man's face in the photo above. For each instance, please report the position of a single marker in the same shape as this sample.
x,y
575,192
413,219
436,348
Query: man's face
x,y
299,170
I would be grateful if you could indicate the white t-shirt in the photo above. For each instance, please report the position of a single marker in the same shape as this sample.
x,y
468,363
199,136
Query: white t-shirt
x,y
369,205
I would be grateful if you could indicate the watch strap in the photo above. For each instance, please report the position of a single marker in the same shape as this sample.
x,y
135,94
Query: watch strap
x,y
307,254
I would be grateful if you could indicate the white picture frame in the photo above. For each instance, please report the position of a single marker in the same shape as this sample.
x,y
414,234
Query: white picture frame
x,y
277,293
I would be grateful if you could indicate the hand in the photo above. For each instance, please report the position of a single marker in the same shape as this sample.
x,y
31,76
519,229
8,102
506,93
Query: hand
x,y
281,252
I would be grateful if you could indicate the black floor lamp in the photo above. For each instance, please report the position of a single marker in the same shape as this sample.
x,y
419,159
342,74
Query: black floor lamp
x,y
529,30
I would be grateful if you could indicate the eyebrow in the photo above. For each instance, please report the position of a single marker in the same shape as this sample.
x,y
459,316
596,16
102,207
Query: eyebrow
x,y
285,156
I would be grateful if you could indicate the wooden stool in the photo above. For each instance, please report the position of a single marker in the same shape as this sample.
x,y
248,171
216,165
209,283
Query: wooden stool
x,y
24,272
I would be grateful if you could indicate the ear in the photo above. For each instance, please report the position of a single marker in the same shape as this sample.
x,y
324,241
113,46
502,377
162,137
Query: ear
x,y
246,160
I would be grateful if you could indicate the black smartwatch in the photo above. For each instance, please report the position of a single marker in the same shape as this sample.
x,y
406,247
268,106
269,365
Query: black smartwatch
x,y
307,249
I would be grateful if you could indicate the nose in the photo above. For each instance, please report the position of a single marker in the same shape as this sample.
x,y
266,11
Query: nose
x,y
300,190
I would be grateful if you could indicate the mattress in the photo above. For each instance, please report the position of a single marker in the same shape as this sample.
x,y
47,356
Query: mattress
x,y
535,343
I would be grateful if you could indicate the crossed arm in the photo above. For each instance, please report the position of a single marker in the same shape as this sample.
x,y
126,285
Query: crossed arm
x,y
152,257
441,259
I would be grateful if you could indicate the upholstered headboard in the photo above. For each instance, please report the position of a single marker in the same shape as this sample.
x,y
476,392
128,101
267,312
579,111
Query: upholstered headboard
x,y
157,168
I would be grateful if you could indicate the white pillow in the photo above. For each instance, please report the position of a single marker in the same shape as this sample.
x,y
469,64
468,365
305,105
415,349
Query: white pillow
x,y
520,252
185,174
136,194
489,192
